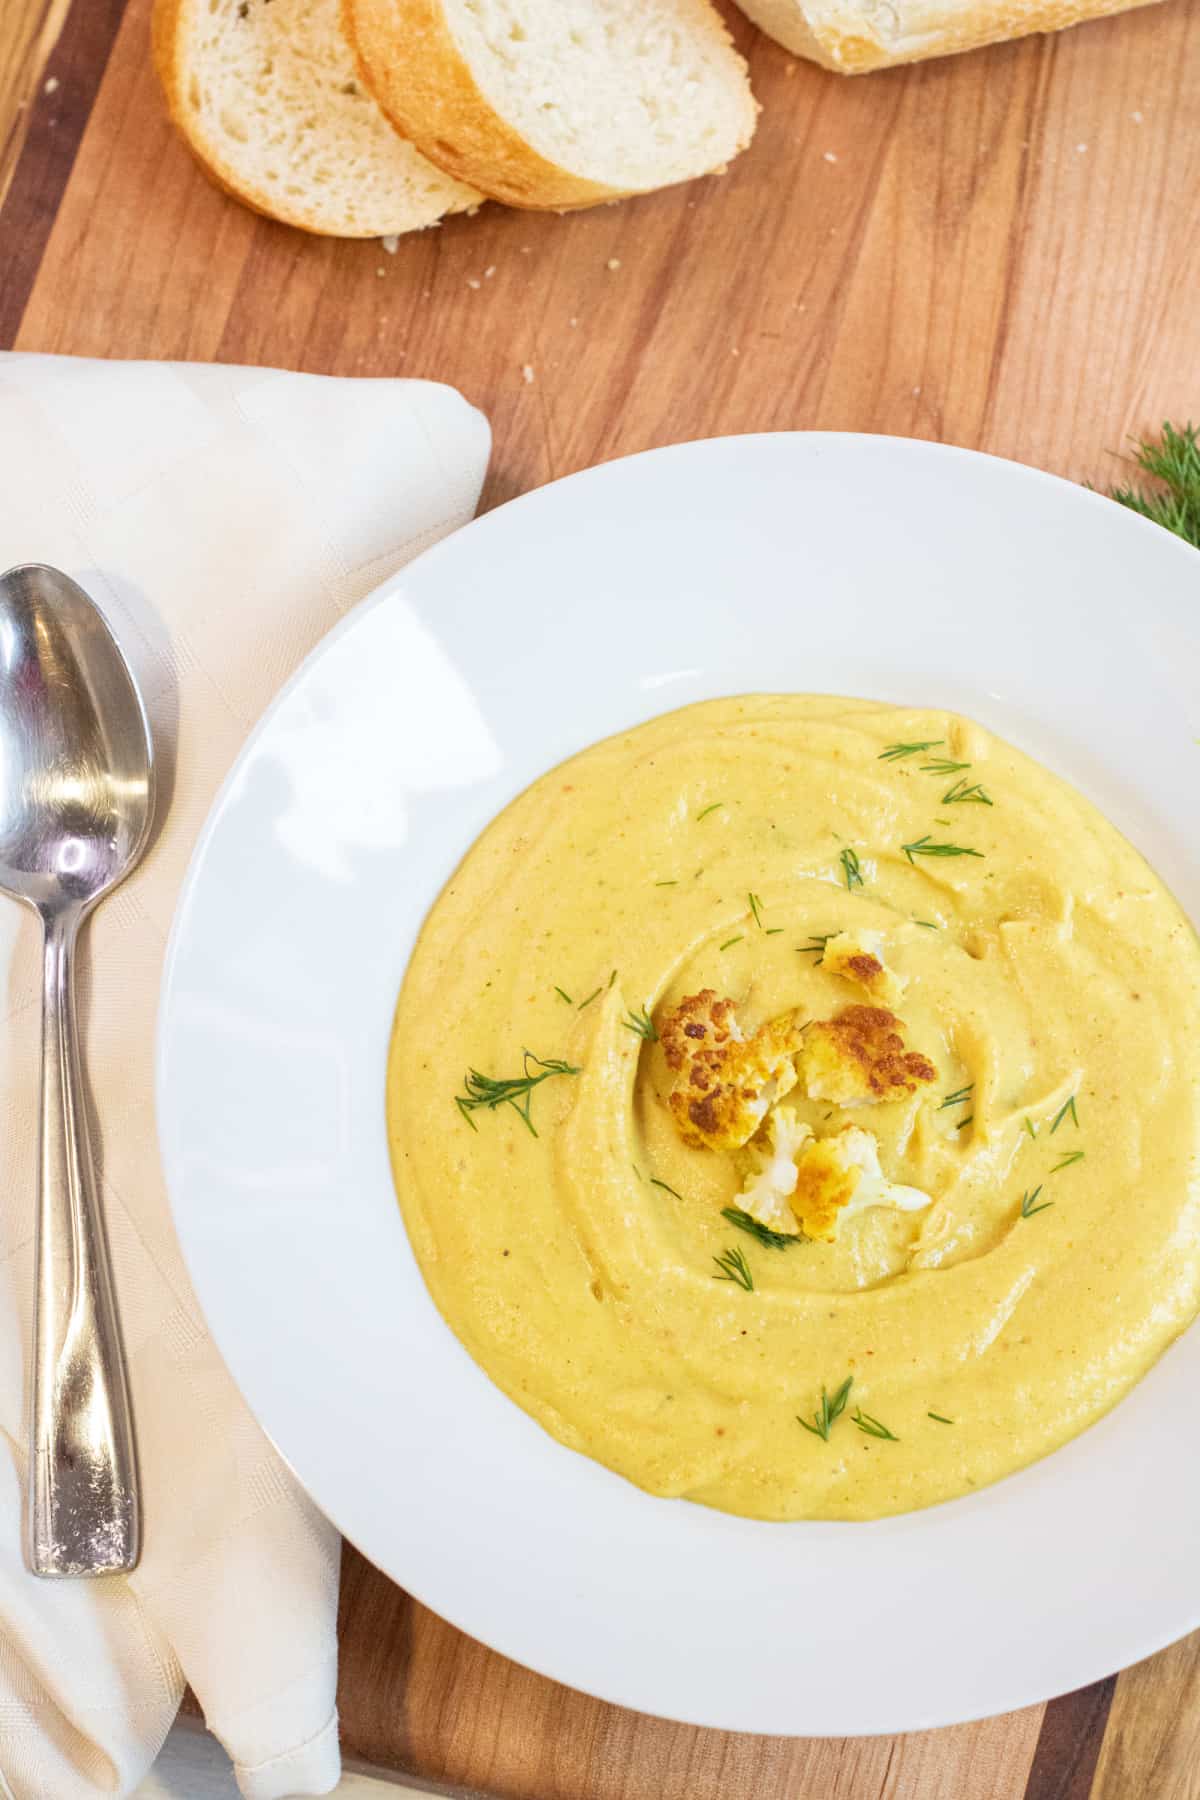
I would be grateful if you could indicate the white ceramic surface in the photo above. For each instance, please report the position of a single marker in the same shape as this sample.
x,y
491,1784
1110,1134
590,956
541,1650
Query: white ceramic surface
x,y
862,566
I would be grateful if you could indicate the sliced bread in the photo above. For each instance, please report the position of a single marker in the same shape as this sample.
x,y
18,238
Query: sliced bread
x,y
856,35
268,98
558,103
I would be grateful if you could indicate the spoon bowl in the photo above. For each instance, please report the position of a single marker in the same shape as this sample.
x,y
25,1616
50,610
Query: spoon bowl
x,y
76,806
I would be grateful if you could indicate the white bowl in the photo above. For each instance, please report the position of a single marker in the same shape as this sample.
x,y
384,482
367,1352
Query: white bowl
x,y
852,565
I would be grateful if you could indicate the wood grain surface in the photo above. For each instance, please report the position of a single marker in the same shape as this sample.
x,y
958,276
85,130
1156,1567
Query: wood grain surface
x,y
1000,250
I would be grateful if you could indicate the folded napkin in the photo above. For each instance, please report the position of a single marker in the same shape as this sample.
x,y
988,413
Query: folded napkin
x,y
223,519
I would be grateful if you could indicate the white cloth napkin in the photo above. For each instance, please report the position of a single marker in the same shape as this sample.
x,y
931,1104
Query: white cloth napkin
x,y
223,518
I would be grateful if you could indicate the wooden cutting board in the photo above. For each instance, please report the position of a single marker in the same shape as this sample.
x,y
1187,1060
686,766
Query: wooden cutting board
x,y
1000,250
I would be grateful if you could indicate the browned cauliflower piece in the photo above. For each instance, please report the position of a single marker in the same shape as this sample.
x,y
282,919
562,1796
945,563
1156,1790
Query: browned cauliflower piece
x,y
859,1057
858,956
724,1082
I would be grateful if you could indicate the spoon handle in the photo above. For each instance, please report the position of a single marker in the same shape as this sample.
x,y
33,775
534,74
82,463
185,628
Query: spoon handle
x,y
84,1515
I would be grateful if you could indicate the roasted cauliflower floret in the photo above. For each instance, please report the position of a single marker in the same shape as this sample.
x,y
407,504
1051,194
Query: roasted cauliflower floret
x,y
724,1082
858,956
771,1159
839,1176
859,1057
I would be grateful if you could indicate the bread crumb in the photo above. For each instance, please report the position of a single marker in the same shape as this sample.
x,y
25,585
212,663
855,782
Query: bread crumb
x,y
1079,149
614,262
51,86
830,156
472,283
1137,117
489,271
381,273
390,244
526,373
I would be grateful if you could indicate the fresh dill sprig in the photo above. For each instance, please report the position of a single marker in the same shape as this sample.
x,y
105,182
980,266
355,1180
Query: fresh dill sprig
x,y
517,1091
1173,460
734,1267
1072,1156
563,995
756,909
612,978
1030,1127
641,1024
1029,1202
666,1187
963,1123
709,809
732,940
873,1427
957,1098
1062,1114
594,995
975,793
897,752
832,1408
773,931
851,868
814,945
943,765
666,884
928,924
941,1419
926,847
771,1240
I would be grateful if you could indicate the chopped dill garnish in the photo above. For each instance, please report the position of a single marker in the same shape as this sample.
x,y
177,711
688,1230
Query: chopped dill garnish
x,y
637,1172
666,1186
641,1024
1029,1202
873,1427
666,884
832,1408
942,765
756,909
1072,1156
772,1240
1174,462
563,995
1062,1113
940,1418
973,792
734,1267
957,1098
963,1123
612,978
1030,1127
595,994
709,809
928,924
896,752
517,1091
732,940
814,945
773,931
851,869
926,847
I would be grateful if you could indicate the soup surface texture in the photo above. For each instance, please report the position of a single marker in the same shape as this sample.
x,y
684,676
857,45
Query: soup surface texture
x,y
1040,1096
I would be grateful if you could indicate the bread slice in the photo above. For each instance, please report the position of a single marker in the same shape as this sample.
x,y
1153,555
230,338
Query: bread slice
x,y
856,35
558,103
267,96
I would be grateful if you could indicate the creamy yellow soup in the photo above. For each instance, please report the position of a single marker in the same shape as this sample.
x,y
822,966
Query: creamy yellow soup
x,y
1048,977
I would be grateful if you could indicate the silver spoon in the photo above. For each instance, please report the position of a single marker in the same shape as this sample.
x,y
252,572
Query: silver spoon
x,y
76,803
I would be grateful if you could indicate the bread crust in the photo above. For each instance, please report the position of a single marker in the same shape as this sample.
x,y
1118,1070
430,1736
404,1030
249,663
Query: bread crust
x,y
409,58
840,36
168,21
